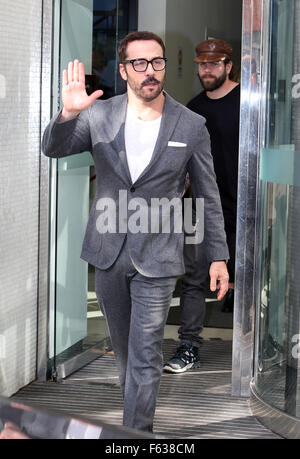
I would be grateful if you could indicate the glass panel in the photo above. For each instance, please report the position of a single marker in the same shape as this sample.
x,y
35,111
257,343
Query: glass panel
x,y
276,363
90,31
108,31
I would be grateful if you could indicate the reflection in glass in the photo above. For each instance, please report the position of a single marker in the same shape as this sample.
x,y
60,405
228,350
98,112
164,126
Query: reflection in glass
x,y
110,25
276,363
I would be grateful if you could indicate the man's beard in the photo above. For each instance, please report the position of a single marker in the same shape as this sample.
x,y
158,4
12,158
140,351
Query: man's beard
x,y
139,91
216,83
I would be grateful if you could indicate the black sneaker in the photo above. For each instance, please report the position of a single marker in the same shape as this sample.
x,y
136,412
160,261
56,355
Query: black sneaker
x,y
185,358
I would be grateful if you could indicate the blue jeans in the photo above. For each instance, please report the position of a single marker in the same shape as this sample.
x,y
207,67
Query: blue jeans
x,y
136,309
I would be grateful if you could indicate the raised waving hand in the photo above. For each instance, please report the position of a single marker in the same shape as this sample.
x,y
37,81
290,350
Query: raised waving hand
x,y
74,96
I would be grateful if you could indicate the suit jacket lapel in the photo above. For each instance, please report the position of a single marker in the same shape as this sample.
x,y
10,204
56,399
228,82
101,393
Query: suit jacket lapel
x,y
119,108
170,117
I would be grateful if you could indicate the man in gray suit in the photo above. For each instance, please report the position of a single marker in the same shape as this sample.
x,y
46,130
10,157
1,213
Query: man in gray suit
x,y
143,143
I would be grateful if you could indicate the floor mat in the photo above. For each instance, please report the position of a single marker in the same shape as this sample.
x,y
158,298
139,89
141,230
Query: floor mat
x,y
195,404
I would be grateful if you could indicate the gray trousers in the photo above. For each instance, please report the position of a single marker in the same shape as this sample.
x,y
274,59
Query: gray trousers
x,y
136,309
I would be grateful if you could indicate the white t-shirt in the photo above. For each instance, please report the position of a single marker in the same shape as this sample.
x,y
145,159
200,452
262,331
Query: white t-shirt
x,y
140,140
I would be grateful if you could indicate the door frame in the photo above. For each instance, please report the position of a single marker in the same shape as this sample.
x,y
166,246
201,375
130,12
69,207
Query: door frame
x,y
249,154
244,313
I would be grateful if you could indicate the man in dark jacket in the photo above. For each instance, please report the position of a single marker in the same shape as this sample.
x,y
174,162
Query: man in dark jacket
x,y
219,104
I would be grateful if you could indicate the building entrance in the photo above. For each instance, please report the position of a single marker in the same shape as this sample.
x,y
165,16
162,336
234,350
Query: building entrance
x,y
90,31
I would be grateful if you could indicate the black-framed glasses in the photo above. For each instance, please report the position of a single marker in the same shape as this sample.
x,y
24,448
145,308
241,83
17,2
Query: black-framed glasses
x,y
141,65
211,65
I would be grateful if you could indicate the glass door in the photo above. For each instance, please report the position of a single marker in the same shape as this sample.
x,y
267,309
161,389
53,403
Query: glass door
x,y
90,31
277,342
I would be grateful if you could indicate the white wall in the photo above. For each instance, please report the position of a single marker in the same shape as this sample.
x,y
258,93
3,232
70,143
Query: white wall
x,y
20,69
152,16
187,22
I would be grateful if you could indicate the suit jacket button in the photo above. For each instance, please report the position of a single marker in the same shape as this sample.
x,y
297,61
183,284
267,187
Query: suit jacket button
x,y
132,189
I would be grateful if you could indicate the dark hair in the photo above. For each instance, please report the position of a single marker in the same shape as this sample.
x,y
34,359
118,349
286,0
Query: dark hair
x,y
139,35
235,72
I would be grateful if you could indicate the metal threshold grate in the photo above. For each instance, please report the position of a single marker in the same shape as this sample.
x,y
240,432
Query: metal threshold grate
x,y
195,404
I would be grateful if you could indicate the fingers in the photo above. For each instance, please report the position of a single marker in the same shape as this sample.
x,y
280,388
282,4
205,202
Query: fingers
x,y
74,73
218,273
213,282
81,72
70,72
223,288
65,77
95,95
74,95
76,70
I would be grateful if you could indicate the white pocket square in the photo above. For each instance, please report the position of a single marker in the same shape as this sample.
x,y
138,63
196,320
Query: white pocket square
x,y
176,144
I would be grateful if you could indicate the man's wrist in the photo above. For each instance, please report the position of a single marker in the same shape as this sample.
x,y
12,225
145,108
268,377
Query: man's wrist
x,y
66,115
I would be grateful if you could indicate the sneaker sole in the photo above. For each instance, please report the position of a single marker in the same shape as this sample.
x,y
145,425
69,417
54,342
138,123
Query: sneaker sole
x,y
169,369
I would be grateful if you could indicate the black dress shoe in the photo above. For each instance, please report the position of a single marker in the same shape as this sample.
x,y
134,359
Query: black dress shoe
x,y
229,301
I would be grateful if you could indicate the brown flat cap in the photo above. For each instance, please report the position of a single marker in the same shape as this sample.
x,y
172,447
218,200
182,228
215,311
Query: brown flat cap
x,y
211,50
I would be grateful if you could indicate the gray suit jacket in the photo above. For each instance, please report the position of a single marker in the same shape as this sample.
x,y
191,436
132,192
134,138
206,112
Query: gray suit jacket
x,y
183,145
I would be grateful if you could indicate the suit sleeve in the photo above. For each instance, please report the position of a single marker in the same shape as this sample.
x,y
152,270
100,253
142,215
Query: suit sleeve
x,y
67,138
204,185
